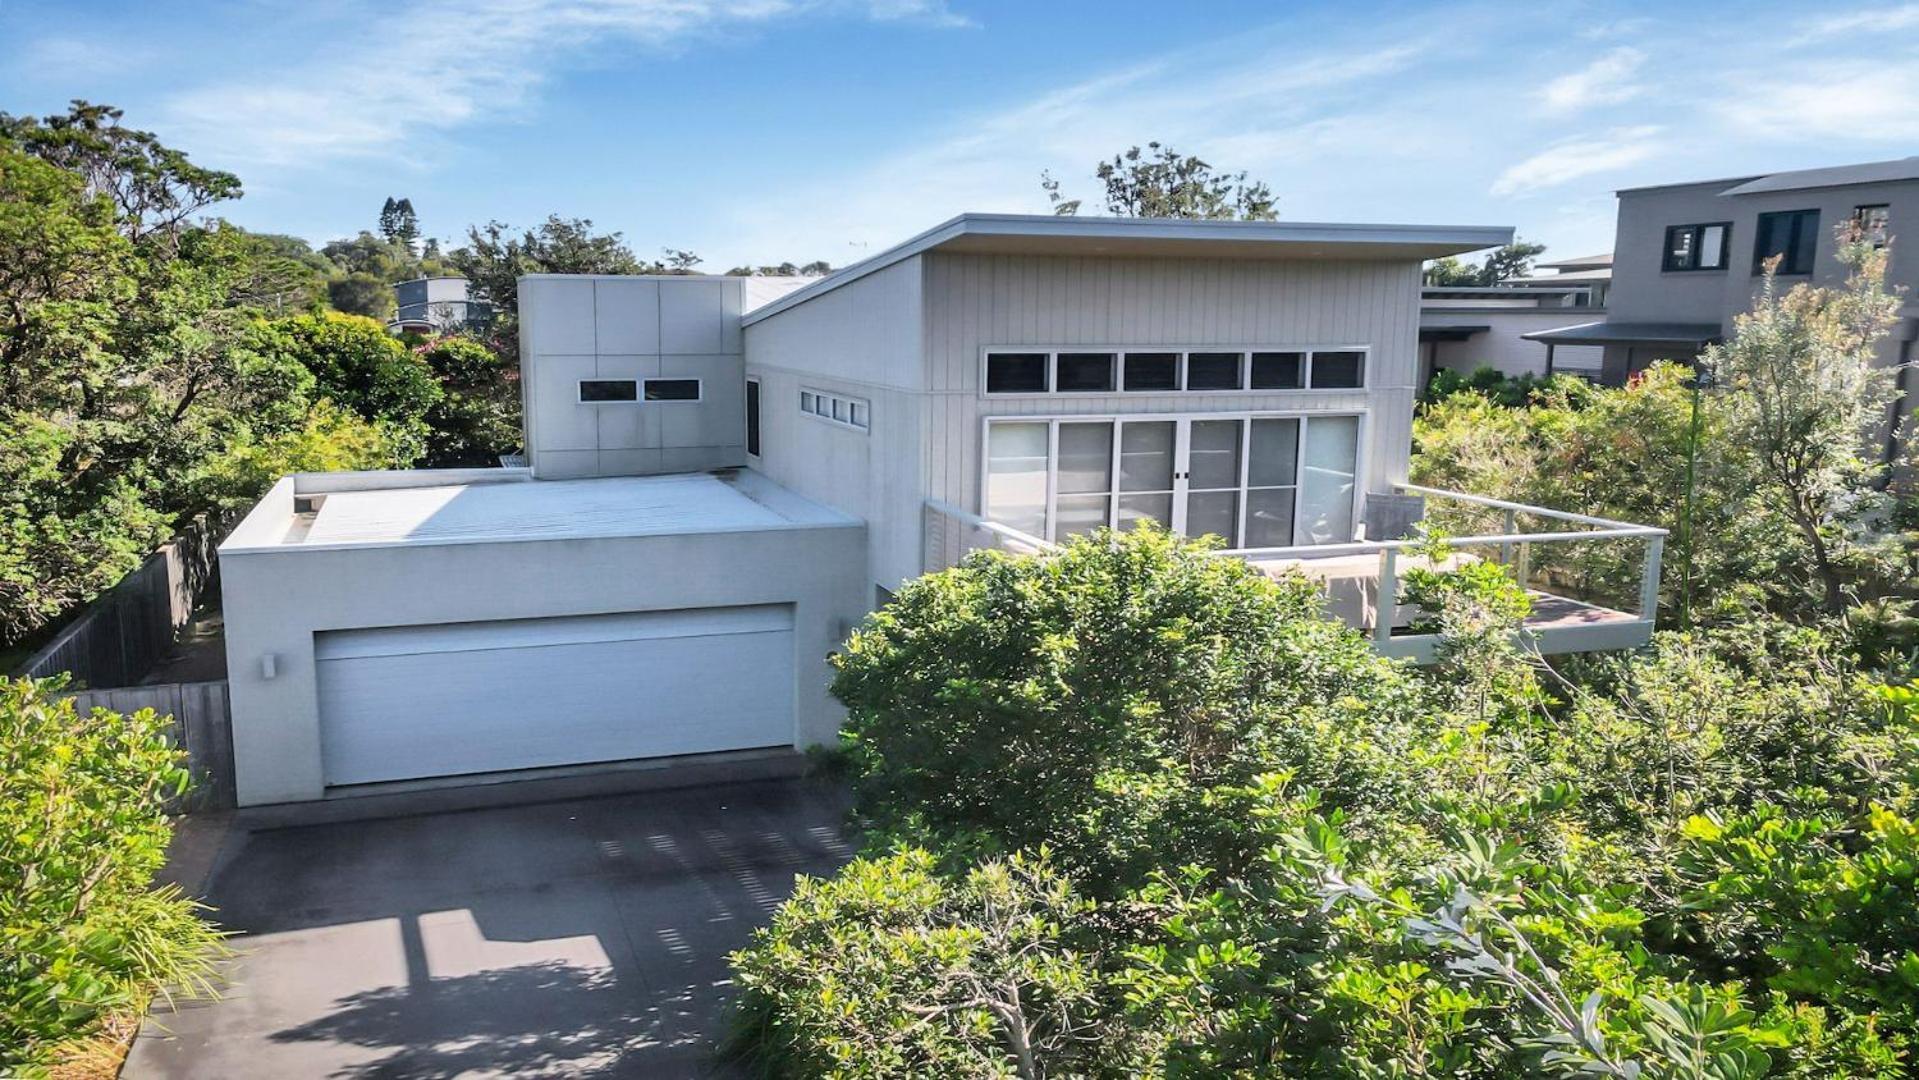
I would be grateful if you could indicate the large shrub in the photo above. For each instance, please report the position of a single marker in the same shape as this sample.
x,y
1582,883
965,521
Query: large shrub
x,y
83,930
359,366
477,417
1109,701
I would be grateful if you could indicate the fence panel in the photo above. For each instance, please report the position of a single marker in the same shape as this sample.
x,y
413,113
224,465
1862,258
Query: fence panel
x,y
202,724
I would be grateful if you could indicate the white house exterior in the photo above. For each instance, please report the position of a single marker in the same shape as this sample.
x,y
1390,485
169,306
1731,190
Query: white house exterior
x,y
724,475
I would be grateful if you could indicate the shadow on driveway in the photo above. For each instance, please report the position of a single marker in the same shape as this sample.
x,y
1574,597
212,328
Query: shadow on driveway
x,y
581,938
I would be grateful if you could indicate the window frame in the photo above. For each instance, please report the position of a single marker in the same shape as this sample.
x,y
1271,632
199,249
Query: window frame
x,y
699,389
1181,355
855,407
1885,229
579,391
1698,232
1800,217
1362,454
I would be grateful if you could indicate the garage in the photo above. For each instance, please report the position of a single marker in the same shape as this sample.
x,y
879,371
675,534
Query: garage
x,y
413,702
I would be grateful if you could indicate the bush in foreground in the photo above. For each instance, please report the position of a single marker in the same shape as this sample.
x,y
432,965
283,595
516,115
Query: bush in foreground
x,y
84,934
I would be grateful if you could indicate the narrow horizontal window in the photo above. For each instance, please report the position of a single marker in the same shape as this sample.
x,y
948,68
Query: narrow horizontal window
x,y
1152,371
1213,371
1279,370
672,389
1083,373
1016,373
602,390
838,409
1343,370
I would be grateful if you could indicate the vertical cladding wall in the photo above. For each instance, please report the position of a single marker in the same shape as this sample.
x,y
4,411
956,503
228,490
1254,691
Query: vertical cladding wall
x,y
575,328
975,302
863,342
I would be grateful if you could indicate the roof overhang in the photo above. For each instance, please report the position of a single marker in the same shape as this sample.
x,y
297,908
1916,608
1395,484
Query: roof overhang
x,y
1629,333
1045,234
1450,333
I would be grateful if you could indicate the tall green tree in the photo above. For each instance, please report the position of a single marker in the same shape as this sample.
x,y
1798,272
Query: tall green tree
x,y
494,257
1502,264
399,224
1160,182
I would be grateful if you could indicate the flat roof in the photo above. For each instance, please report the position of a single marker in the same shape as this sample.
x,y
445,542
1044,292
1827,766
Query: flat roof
x,y
1583,262
1566,277
1600,333
1870,172
515,510
1048,234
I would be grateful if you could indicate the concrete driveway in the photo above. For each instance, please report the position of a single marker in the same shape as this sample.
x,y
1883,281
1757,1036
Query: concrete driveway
x,y
576,938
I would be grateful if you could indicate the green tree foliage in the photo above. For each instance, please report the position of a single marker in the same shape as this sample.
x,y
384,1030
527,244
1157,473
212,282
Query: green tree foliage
x,y
477,417
362,294
1160,182
816,268
494,258
83,830
399,224
1501,264
357,365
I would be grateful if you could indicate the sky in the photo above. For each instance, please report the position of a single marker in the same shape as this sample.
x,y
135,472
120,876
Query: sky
x,y
759,131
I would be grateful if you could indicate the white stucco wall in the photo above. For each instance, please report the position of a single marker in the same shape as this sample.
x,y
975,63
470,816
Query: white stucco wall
x,y
1502,347
277,597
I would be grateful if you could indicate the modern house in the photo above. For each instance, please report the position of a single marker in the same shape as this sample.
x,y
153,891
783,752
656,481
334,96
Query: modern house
x,y
725,475
1465,328
437,305
1688,257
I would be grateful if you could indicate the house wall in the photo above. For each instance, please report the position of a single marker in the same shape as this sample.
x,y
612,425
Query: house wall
x,y
1503,348
277,599
582,327
862,340
975,302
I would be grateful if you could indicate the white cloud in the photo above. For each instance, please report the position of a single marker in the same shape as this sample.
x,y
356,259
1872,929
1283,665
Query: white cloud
x,y
1611,79
1865,22
1878,104
390,78
1580,156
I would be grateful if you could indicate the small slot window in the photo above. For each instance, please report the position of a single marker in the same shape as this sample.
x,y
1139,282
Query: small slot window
x,y
1343,370
1279,370
1147,371
598,391
1084,373
837,409
753,417
672,389
1213,371
1016,373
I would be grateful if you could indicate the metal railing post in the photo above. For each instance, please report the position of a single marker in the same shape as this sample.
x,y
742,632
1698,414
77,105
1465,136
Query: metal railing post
x,y
1512,526
1386,610
1523,568
1649,581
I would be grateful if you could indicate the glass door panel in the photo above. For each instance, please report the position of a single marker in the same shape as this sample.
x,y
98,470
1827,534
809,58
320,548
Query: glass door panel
x,y
1146,459
1016,456
1214,513
1272,479
1083,498
1326,483
1213,478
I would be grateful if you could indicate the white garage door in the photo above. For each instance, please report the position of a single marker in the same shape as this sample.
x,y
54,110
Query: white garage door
x,y
407,702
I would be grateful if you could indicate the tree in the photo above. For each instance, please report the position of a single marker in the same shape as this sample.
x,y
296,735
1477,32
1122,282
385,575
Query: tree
x,y
1160,182
362,294
357,365
816,268
1502,264
385,260
398,223
478,415
1802,390
494,259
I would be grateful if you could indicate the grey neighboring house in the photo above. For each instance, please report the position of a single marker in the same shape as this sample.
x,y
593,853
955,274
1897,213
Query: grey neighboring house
x,y
724,475
1688,257
1464,328
437,305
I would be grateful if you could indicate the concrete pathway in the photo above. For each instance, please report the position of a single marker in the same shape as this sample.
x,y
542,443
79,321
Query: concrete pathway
x,y
577,938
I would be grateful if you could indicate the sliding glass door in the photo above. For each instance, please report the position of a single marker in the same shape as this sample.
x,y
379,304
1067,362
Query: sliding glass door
x,y
1256,481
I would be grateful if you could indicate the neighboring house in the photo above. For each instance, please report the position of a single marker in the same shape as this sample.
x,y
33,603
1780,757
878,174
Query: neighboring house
x,y
722,481
1465,328
1688,257
437,305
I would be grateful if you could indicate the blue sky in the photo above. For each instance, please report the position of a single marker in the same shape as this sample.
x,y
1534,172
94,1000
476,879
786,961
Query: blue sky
x,y
763,130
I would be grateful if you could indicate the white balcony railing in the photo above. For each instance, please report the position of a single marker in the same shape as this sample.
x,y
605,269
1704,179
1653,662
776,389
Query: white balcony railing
x,y
1594,582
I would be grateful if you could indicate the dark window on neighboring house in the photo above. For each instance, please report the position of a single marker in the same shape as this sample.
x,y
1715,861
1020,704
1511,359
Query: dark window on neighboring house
x,y
1790,235
1697,247
672,389
1078,372
1152,371
1874,222
1279,370
1212,371
1339,370
1016,373
597,390
753,417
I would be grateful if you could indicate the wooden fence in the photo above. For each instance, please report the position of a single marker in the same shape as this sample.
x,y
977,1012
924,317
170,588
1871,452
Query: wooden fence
x,y
129,629
202,725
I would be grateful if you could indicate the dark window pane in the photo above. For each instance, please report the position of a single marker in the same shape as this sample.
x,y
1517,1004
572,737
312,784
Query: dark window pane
x,y
672,389
609,390
1792,235
753,418
1279,370
1152,371
1084,372
1339,370
1212,371
1680,240
1016,373
1873,222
